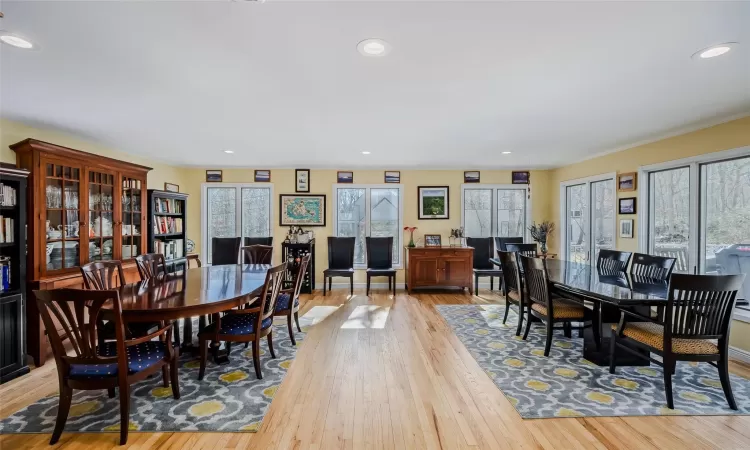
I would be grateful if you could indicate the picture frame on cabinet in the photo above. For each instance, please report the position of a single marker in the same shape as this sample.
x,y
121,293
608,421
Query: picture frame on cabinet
x,y
433,240
171,187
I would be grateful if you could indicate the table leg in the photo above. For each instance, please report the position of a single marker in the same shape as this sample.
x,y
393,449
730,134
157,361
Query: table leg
x,y
187,337
607,316
220,356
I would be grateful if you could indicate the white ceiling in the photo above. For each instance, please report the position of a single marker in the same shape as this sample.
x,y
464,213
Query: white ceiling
x,y
282,84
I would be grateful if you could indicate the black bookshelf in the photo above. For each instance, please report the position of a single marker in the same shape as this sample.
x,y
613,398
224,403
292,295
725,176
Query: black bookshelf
x,y
291,253
167,227
13,253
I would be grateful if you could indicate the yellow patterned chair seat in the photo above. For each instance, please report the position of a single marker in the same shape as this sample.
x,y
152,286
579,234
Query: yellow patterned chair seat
x,y
652,334
513,296
561,310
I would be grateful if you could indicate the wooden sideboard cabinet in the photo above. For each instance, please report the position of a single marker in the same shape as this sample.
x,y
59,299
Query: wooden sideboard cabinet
x,y
438,267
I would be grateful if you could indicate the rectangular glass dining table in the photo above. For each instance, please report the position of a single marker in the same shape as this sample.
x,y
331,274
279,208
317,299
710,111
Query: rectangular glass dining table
x,y
606,293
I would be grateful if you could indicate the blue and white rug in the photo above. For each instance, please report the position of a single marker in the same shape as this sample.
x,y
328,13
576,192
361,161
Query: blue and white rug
x,y
566,385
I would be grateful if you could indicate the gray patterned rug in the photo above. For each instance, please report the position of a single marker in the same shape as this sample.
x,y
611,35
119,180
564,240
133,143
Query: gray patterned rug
x,y
229,398
566,385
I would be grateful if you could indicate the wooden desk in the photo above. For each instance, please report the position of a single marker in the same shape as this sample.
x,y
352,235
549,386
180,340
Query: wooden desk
x,y
438,267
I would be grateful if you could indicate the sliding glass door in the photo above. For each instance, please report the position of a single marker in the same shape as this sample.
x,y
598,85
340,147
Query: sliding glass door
x,y
588,217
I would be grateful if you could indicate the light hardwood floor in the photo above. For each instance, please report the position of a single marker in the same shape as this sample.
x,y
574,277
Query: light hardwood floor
x,y
410,385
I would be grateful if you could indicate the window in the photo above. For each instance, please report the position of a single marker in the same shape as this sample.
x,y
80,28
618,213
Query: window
x,y
494,210
231,210
587,209
697,210
369,210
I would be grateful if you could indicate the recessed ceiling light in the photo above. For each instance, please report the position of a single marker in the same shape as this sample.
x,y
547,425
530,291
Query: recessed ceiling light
x,y
716,50
15,41
228,151
374,47
507,153
365,153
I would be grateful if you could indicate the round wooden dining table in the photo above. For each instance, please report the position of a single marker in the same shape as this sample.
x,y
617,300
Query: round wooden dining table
x,y
191,293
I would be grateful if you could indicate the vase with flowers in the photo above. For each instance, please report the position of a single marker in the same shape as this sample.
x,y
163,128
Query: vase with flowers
x,y
540,233
411,235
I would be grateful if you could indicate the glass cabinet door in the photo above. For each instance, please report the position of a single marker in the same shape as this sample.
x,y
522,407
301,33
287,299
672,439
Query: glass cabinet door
x,y
132,215
101,187
62,205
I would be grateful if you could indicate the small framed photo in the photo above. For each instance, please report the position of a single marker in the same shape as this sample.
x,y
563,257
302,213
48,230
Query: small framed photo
x,y
627,181
213,176
262,176
627,205
392,176
171,187
345,177
626,228
433,202
471,176
302,180
520,177
432,240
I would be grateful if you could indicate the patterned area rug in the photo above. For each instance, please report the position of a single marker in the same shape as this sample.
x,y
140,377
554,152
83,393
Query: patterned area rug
x,y
566,385
229,398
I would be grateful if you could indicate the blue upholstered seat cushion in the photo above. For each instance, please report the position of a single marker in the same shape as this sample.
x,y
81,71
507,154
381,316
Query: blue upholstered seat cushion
x,y
239,324
282,302
140,357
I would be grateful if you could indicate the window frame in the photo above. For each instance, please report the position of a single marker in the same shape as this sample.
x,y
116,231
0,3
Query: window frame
x,y
494,225
368,198
238,209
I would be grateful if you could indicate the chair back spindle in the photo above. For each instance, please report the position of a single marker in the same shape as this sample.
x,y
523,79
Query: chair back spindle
x,y
271,288
100,275
501,242
150,265
613,261
299,277
257,254
511,275
653,267
528,250
536,282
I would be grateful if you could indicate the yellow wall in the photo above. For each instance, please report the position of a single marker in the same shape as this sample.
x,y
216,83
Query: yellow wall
x,y
321,182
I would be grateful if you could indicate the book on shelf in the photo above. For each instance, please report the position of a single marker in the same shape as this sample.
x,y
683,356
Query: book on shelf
x,y
6,230
167,225
7,195
167,205
170,249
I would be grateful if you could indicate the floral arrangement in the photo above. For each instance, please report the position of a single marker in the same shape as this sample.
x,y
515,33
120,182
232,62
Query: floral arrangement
x,y
541,232
411,235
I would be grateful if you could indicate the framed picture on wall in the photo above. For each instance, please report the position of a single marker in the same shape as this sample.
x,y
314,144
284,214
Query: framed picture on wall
x,y
304,210
392,176
262,176
433,202
520,177
433,240
302,180
627,181
344,177
627,205
626,228
171,187
471,176
213,176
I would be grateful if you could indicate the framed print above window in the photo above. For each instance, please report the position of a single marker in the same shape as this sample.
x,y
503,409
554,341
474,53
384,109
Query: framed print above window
x,y
471,176
262,176
213,176
303,210
302,180
520,177
392,176
433,202
344,177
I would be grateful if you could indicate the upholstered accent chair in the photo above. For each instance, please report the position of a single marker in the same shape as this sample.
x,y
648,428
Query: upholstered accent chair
x,y
225,250
340,261
249,324
512,286
287,304
380,261
551,309
116,364
695,327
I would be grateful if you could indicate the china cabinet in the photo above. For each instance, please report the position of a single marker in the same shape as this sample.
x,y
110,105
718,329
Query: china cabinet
x,y
82,207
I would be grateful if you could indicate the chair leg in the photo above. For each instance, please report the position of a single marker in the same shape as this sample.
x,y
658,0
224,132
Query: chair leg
x,y
368,284
596,327
330,283
492,283
507,307
394,285
165,375
203,344
723,366
296,320
520,318
66,397
270,345
668,367
111,392
256,358
351,286
173,372
528,325
324,286
612,352
567,331
176,332
548,344
124,413
291,329
476,284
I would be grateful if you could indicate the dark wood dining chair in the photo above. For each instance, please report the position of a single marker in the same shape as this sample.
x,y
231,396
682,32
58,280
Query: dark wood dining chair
x,y
116,364
482,267
549,308
287,304
512,286
613,261
256,254
249,324
194,258
522,250
698,312
500,242
340,261
225,250
654,267
258,241
380,261
150,265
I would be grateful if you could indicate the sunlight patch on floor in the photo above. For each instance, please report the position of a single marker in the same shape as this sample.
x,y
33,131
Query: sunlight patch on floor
x,y
367,316
315,315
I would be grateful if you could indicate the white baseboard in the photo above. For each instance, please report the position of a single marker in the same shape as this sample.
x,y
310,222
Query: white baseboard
x,y
739,354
